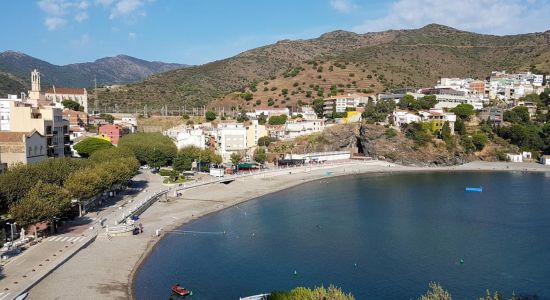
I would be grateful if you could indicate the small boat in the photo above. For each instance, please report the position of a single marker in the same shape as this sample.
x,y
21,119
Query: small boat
x,y
474,189
178,289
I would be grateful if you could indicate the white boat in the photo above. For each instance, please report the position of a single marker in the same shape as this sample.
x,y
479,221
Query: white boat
x,y
256,297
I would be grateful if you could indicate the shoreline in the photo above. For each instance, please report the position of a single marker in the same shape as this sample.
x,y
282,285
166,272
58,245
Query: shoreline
x,y
202,201
151,246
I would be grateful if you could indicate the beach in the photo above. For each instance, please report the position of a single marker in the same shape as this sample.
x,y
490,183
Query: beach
x,y
105,269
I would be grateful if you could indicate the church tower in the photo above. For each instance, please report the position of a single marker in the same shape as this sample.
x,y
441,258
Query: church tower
x,y
34,93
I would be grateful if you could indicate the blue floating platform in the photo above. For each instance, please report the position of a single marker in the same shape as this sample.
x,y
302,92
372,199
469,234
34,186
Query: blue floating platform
x,y
474,189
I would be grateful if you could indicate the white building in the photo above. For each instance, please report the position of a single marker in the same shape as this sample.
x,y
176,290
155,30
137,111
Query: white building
x,y
294,129
514,157
270,112
5,104
318,157
307,112
545,160
339,104
231,138
58,94
191,137
401,117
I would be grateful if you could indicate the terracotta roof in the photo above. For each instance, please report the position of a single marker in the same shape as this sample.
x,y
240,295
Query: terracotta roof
x,y
66,91
15,136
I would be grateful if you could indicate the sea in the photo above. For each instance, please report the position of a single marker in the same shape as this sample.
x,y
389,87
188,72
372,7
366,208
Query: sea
x,y
376,236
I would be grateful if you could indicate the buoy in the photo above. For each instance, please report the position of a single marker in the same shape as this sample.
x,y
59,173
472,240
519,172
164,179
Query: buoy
x,y
355,265
295,273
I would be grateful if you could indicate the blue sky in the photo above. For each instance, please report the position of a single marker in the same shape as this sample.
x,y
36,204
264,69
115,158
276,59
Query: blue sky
x,y
200,31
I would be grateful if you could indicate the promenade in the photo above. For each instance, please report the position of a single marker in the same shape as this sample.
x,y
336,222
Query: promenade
x,y
22,272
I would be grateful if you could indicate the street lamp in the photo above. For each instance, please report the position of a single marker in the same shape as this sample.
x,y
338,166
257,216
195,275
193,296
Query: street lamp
x,y
12,225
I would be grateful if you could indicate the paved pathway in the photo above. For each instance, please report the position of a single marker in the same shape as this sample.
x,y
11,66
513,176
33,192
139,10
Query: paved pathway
x,y
28,268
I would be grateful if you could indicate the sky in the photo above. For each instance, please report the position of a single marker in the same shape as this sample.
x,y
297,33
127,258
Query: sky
x,y
200,31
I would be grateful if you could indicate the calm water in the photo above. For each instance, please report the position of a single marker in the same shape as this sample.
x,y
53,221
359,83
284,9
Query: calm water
x,y
377,236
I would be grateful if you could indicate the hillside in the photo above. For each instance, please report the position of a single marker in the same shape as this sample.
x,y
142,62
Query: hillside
x,y
395,58
120,69
10,84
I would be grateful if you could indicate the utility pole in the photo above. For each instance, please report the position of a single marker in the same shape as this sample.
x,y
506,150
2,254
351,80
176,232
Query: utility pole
x,y
96,101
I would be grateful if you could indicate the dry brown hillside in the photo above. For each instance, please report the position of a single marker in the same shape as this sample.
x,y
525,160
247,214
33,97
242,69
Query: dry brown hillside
x,y
304,83
395,59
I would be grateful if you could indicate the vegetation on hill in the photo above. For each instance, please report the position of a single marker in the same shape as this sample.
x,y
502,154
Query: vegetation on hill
x,y
10,84
384,60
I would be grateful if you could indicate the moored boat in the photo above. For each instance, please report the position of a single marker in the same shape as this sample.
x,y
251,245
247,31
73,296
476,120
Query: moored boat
x,y
178,289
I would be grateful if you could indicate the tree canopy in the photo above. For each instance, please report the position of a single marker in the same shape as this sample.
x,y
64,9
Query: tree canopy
x,y
153,149
278,120
235,158
185,157
71,104
210,115
43,202
88,146
464,111
259,155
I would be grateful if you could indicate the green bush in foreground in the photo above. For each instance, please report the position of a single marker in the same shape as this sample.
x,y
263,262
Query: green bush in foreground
x,y
320,293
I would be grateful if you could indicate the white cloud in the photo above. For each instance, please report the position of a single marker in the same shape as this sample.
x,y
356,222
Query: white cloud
x,y
125,7
343,6
81,16
54,23
57,11
484,16
132,36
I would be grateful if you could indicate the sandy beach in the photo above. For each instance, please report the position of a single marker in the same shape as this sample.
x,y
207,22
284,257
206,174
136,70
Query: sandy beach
x,y
105,269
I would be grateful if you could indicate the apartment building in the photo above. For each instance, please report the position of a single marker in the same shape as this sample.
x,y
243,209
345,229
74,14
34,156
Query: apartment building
x,y
46,120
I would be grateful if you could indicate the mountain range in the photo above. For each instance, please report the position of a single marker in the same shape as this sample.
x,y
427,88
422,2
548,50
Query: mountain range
x,y
372,61
121,69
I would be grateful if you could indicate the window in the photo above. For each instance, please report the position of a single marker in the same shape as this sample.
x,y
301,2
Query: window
x,y
30,149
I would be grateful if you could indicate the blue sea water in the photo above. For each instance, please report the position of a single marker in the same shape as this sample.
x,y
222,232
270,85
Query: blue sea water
x,y
376,236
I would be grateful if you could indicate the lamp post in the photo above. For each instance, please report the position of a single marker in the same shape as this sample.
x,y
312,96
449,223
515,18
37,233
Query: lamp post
x,y
12,225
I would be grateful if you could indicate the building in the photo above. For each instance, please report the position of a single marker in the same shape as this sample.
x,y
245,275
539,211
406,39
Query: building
x,y
231,138
294,129
438,118
545,160
494,115
191,137
402,117
5,104
22,147
46,120
514,157
58,94
35,94
270,112
254,132
340,104
76,118
352,117
477,86
321,157
113,132
531,107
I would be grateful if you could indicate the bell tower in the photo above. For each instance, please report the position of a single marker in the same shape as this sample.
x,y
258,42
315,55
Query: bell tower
x,y
34,93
